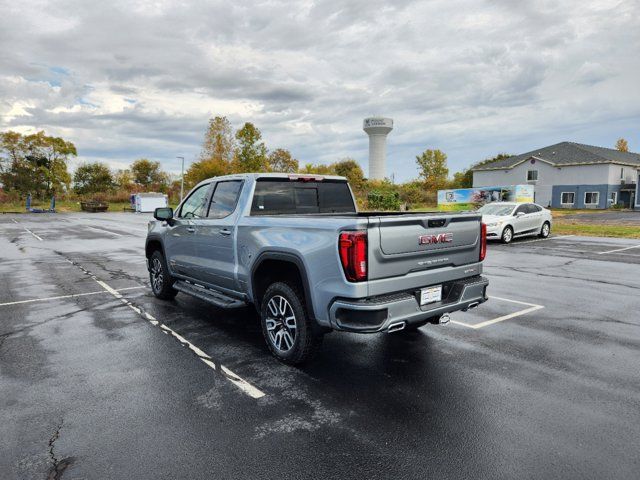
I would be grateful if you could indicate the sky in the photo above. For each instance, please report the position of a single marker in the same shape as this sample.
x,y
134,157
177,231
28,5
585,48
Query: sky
x,y
124,80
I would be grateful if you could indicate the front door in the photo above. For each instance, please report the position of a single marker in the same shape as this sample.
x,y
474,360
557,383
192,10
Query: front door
x,y
180,241
216,238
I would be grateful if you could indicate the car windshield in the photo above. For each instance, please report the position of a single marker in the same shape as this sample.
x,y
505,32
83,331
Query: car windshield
x,y
495,209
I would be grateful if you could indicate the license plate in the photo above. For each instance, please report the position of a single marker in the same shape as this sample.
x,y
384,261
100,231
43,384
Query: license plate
x,y
430,294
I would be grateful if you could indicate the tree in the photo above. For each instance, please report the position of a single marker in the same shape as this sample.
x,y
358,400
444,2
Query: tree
x,y
319,169
92,178
251,152
35,163
348,167
204,169
433,168
148,174
622,145
281,160
123,179
218,141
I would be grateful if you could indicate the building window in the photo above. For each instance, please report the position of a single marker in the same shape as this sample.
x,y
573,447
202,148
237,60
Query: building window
x,y
613,197
591,198
567,198
532,175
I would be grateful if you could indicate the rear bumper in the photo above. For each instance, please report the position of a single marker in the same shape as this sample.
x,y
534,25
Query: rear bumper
x,y
376,314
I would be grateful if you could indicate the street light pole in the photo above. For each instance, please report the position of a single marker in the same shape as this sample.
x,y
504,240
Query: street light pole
x,y
181,179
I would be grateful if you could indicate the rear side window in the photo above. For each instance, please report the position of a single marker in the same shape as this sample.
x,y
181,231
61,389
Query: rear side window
x,y
275,197
224,199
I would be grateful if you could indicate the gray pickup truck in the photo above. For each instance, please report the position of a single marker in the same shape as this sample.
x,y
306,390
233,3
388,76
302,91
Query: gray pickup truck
x,y
296,248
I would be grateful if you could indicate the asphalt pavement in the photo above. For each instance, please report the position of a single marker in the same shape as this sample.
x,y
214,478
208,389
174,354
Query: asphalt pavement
x,y
98,379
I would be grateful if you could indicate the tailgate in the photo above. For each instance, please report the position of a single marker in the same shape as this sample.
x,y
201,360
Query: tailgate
x,y
408,243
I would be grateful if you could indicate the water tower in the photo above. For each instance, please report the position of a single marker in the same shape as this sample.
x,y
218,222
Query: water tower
x,y
377,128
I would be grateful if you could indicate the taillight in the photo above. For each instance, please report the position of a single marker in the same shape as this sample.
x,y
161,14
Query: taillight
x,y
483,241
353,255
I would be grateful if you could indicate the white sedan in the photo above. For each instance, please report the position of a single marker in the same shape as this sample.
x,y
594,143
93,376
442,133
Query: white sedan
x,y
506,220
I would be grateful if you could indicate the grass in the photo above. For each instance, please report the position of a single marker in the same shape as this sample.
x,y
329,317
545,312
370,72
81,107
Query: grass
x,y
595,230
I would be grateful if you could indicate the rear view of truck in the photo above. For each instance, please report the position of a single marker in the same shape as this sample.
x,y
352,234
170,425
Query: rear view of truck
x,y
414,268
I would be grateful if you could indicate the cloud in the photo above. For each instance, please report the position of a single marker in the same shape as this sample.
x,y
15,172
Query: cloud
x,y
472,78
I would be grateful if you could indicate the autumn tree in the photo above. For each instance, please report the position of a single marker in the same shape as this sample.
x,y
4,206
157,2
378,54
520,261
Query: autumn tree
x,y
281,160
147,173
433,168
35,163
218,142
203,169
123,179
250,152
92,178
622,145
319,169
349,168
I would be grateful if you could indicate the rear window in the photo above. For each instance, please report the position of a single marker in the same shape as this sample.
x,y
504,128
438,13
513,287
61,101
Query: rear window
x,y
276,197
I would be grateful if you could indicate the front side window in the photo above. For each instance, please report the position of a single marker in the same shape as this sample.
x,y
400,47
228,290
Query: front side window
x,y
532,175
225,198
194,206
567,198
591,198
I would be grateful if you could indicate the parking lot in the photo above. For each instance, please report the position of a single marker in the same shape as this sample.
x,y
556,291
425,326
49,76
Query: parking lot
x,y
101,380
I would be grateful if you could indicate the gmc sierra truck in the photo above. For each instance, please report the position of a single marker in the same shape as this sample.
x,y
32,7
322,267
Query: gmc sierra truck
x,y
296,248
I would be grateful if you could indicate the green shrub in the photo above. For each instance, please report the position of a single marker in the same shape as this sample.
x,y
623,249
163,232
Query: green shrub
x,y
378,200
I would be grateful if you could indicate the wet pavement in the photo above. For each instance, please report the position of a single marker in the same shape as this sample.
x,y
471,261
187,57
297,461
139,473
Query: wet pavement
x,y
99,379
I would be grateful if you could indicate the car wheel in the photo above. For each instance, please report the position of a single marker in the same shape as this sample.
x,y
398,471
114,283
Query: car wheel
x,y
507,234
286,326
161,281
545,230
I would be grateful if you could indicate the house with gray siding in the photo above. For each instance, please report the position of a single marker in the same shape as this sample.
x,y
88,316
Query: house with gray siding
x,y
569,175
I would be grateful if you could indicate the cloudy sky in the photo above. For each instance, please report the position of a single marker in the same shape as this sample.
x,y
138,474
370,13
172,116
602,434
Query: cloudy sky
x,y
472,78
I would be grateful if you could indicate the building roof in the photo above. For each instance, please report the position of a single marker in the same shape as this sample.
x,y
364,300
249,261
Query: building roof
x,y
565,154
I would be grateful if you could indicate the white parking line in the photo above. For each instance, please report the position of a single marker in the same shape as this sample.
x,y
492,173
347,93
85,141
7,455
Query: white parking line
x,y
46,299
36,236
102,230
532,308
619,249
242,384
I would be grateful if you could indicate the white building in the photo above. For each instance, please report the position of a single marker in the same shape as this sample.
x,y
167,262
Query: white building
x,y
569,175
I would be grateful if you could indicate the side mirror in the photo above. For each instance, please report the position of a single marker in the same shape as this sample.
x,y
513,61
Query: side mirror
x,y
163,214
519,214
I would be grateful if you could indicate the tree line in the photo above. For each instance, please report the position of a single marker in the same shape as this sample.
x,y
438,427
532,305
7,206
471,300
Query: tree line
x,y
38,164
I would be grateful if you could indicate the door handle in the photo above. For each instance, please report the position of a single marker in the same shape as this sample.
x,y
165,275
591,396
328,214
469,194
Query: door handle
x,y
224,231
191,229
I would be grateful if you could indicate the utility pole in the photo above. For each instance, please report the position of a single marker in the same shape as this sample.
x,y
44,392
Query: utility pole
x,y
181,179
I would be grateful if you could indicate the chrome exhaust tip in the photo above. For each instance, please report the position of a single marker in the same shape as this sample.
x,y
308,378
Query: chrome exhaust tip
x,y
444,319
396,327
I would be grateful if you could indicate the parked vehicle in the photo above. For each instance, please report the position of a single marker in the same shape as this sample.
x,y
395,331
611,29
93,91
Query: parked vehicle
x,y
295,247
506,221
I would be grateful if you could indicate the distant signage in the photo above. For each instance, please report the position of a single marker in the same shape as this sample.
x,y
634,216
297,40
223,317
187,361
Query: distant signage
x,y
378,122
479,195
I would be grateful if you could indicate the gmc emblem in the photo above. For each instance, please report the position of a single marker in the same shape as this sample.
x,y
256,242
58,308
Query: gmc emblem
x,y
431,239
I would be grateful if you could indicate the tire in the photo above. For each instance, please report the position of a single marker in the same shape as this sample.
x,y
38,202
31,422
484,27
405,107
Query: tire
x,y
545,230
161,281
507,235
290,334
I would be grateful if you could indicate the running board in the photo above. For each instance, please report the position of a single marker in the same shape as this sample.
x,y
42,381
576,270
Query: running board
x,y
210,296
